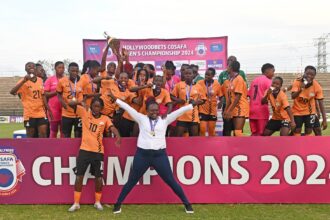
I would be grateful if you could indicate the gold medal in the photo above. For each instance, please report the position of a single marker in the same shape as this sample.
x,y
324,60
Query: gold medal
x,y
152,133
74,99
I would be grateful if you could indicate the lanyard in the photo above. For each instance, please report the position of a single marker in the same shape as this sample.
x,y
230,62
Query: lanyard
x,y
209,89
232,79
171,86
188,91
121,88
73,92
152,126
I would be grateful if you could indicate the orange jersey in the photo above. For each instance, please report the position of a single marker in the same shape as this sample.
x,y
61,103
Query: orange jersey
x,y
103,74
92,130
163,98
68,90
304,104
279,106
88,87
212,92
107,84
238,85
31,94
185,92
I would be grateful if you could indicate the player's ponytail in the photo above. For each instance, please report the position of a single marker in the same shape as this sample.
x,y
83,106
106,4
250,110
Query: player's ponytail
x,y
85,67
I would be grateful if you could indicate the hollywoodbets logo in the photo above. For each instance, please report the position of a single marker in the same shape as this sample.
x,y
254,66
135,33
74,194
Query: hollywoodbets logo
x,y
11,171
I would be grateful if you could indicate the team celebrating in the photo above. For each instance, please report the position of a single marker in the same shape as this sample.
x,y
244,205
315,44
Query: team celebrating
x,y
119,100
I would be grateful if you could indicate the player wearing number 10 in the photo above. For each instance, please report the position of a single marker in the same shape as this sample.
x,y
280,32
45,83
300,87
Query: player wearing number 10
x,y
91,152
31,92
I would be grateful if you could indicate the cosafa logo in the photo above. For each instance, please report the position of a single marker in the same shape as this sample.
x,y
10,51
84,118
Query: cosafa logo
x,y
201,49
11,172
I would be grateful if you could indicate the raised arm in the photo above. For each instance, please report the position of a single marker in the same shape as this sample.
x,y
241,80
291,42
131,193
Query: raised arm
x,y
104,57
174,115
131,111
14,90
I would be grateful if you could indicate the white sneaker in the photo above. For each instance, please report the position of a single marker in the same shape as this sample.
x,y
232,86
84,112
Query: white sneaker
x,y
74,208
98,206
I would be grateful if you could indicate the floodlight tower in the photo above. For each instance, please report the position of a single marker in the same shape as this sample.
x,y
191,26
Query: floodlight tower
x,y
321,44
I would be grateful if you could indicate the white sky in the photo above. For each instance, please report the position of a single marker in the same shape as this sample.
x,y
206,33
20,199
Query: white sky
x,y
280,32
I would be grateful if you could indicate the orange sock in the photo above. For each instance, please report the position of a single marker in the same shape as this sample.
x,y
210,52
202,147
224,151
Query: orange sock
x,y
238,133
98,196
77,197
296,134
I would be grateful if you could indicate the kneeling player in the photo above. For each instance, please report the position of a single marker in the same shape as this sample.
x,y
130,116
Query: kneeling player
x,y
91,149
282,119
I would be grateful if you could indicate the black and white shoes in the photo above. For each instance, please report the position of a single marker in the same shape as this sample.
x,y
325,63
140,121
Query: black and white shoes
x,y
189,209
116,209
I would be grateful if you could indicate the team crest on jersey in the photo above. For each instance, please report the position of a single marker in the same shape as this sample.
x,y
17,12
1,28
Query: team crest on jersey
x,y
158,101
11,172
101,123
312,94
201,49
277,104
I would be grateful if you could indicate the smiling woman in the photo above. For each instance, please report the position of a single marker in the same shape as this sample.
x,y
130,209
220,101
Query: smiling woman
x,y
151,149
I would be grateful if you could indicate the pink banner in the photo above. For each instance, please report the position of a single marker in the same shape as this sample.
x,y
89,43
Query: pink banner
x,y
205,52
210,170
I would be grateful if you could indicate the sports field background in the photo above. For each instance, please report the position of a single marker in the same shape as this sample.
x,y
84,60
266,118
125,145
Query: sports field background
x,y
220,211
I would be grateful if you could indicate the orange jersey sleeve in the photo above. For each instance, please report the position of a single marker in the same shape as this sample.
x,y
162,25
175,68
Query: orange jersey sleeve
x,y
304,104
296,86
31,94
163,98
212,92
238,85
88,87
69,90
318,90
279,106
131,83
93,129
182,90
176,90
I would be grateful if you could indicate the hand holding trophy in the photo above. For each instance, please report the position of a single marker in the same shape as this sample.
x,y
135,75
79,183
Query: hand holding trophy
x,y
114,43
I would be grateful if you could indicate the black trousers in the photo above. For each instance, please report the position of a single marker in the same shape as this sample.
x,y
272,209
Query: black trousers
x,y
125,127
158,159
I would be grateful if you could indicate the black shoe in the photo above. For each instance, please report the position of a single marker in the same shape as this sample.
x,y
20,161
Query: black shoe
x,y
188,209
116,209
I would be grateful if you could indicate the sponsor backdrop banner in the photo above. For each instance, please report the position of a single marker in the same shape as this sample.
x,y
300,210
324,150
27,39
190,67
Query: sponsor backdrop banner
x,y
205,52
210,170
11,119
